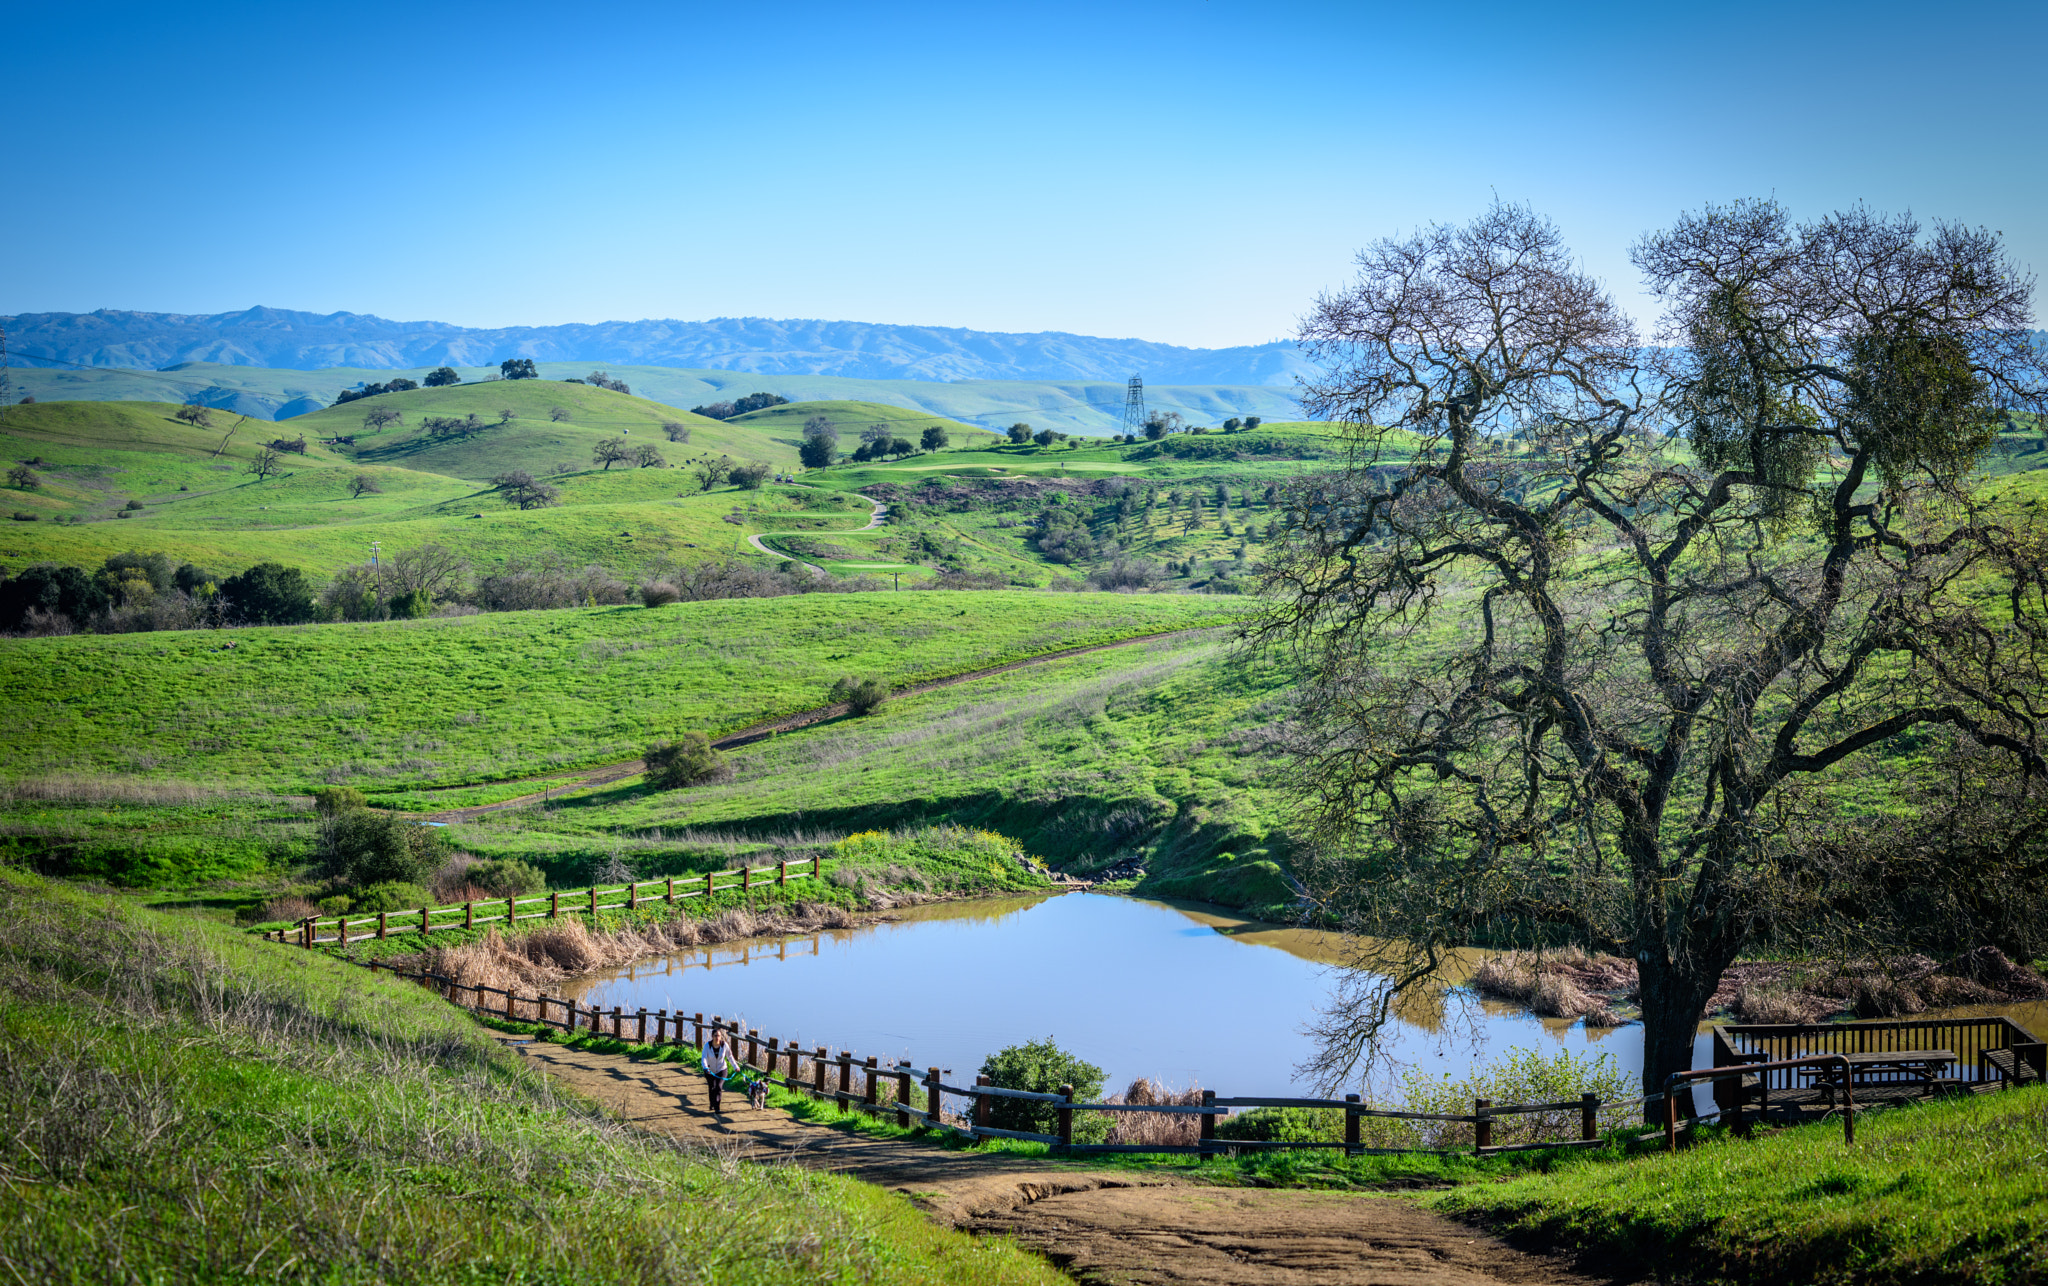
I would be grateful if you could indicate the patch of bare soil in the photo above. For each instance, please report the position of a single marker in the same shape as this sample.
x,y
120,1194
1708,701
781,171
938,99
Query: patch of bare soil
x,y
1100,1226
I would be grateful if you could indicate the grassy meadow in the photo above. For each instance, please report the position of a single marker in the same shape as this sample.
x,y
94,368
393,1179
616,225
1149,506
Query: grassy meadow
x,y
234,1111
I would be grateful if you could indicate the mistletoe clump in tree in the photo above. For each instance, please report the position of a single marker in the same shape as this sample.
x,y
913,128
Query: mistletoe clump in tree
x,y
1729,650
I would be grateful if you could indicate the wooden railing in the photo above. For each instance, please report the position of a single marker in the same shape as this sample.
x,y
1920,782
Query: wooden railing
x,y
870,1085
319,930
1971,1040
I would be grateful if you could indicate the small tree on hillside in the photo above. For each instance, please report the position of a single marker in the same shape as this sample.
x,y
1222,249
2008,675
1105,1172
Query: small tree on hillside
x,y
1020,433
24,477
934,438
518,368
197,416
674,764
750,476
442,377
608,452
269,462
676,430
363,485
1042,1067
710,472
378,416
648,456
506,415
862,696
820,446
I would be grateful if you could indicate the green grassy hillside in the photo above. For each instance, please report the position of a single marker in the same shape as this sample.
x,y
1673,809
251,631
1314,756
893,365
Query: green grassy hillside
x,y
533,439
94,458
1074,406
238,1111
849,417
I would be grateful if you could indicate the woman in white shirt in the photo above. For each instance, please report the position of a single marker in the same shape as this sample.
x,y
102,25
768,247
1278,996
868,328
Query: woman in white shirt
x,y
717,1062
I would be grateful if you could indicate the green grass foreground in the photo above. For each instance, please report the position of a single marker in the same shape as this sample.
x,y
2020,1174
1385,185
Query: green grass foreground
x,y
179,1103
1951,1191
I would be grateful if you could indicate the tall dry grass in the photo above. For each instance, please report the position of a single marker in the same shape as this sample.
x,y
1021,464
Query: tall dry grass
x,y
1156,1131
102,789
539,959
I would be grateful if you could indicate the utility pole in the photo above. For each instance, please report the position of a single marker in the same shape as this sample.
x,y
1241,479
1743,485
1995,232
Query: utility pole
x,y
1134,407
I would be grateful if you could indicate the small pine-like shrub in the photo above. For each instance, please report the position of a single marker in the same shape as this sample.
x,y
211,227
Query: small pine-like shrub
x,y
337,799
506,878
363,848
1041,1067
413,605
673,764
862,696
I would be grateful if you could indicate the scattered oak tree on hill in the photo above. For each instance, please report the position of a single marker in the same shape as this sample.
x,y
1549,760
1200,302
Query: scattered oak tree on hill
x,y
648,456
608,452
676,430
24,477
820,446
522,491
441,377
517,368
196,416
934,438
709,472
361,485
1020,433
1626,693
267,464
378,416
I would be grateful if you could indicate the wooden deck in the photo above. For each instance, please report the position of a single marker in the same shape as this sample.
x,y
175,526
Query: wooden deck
x,y
1892,1062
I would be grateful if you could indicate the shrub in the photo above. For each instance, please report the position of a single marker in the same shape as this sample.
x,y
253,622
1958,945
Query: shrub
x,y
672,764
1042,1067
289,907
413,605
132,505
862,696
1283,1125
339,904
391,895
506,877
659,594
337,799
363,848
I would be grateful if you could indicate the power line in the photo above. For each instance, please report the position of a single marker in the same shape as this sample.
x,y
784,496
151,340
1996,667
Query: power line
x,y
1134,406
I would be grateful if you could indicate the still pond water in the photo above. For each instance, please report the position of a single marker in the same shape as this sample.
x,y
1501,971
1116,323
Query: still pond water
x,y
1178,992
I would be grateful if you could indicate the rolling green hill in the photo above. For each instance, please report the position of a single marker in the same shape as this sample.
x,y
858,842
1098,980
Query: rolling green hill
x,y
1073,406
851,417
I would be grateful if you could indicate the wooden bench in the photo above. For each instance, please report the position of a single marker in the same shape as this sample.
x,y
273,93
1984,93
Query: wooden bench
x,y
2008,1065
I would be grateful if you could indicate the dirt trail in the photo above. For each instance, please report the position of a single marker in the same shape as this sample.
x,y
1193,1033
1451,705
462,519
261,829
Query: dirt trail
x,y
1100,1226
762,731
875,517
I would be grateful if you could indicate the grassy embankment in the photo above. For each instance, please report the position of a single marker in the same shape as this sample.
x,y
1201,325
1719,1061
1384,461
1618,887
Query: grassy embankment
x,y
446,712
183,1103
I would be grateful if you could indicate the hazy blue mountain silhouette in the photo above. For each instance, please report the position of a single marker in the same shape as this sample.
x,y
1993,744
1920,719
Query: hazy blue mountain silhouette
x,y
281,338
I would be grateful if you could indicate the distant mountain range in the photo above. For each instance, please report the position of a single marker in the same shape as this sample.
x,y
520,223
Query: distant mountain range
x,y
281,338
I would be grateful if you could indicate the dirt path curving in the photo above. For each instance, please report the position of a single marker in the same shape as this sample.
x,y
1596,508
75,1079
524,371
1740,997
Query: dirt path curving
x,y
875,517
752,733
1100,1226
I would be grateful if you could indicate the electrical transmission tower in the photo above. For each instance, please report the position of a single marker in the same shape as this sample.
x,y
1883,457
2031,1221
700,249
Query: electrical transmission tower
x,y
1134,407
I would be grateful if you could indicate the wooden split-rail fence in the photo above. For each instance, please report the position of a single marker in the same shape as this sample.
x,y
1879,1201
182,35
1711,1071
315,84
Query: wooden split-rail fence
x,y
322,930
894,1088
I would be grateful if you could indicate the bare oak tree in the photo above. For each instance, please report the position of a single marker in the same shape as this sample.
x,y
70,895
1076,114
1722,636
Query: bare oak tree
x,y
1622,686
363,484
267,464
609,451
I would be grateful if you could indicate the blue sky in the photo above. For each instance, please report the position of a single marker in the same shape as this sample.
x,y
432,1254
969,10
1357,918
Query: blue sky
x,y
1192,172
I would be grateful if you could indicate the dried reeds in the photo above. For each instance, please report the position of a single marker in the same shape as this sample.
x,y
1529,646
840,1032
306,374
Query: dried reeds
x,y
1164,1130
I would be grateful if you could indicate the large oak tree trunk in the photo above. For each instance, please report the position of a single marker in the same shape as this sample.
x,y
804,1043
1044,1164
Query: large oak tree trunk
x,y
1673,997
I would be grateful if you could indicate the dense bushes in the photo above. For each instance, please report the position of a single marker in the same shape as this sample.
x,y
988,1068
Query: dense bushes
x,y
862,696
1042,1067
672,764
361,847
506,877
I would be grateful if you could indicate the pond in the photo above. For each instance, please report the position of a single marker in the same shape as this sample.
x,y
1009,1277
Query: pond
x,y
1181,993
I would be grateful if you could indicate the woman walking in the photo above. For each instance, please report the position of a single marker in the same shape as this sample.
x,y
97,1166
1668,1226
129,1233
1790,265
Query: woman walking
x,y
717,1062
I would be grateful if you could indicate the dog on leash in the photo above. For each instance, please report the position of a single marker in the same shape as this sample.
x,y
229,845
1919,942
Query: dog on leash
x,y
757,1094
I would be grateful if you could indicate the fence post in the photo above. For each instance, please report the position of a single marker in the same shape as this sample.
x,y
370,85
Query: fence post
x,y
746,877
753,1047
868,1092
845,1061
709,886
1066,1115
903,1096
980,1104
815,859
382,927
554,903
818,1061
1208,1136
774,1054
640,1032
782,873
661,1026
1482,1124
1671,1113
426,924
593,903
931,1097
469,915
794,1054
1351,1126
511,912
1848,1106
671,889
1589,1116
697,1030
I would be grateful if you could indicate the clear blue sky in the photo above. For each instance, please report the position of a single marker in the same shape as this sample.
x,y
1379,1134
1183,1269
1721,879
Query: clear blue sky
x,y
1192,172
